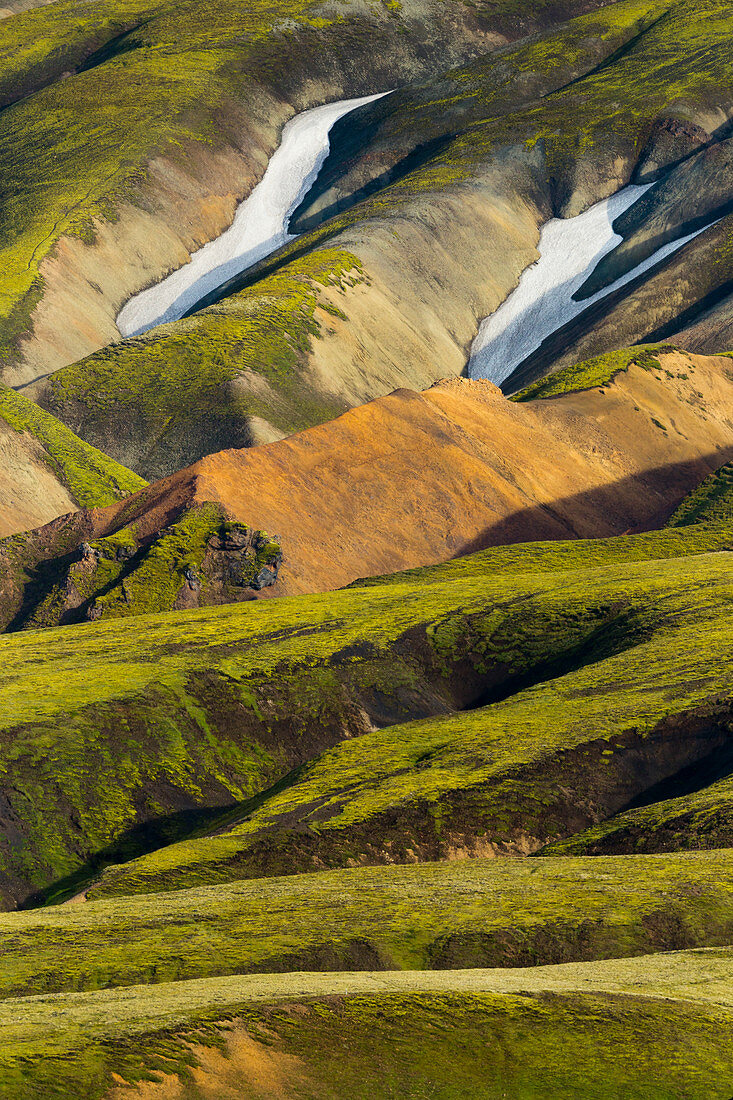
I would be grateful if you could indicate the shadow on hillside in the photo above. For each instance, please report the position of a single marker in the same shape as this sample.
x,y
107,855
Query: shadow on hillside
x,y
569,518
630,505
554,346
148,836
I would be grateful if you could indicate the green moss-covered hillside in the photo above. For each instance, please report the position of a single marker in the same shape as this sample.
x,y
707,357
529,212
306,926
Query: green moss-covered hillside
x,y
713,500
201,557
128,731
459,914
183,380
649,1029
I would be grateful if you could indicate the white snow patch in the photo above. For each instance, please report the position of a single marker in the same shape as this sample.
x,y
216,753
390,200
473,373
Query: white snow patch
x,y
260,224
570,249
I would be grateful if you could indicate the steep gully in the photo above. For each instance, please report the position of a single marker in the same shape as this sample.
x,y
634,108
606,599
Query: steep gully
x,y
548,296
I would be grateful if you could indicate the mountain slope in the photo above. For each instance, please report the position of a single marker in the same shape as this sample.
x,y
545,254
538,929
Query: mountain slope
x,y
129,734
403,481
438,195
144,122
665,1022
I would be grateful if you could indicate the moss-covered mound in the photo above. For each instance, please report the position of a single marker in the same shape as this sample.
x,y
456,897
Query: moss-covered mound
x,y
461,913
649,1029
200,558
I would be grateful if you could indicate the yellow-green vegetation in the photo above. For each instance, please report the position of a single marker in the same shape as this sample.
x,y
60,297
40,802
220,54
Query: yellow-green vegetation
x,y
175,383
166,71
711,501
574,103
655,1028
645,693
92,478
96,92
577,97
114,733
598,371
465,913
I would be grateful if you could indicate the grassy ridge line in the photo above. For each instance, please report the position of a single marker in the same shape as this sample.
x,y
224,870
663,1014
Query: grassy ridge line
x,y
93,479
108,725
176,371
564,556
474,913
595,372
712,501
646,1029
162,649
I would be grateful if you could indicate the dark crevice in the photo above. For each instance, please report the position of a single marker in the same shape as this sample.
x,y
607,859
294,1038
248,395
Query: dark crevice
x,y
689,316
623,631
148,836
689,780
417,158
122,43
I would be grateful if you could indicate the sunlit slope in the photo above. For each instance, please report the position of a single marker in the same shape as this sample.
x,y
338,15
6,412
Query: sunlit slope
x,y
48,471
455,468
653,1028
459,913
133,127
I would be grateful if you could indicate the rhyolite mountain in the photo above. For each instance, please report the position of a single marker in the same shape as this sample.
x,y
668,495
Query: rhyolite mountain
x,y
423,218
366,701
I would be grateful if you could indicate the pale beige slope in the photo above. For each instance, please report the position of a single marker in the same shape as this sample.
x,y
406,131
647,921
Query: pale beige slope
x,y
30,492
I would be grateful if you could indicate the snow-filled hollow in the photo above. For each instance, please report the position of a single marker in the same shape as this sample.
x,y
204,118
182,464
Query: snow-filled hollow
x,y
260,225
542,303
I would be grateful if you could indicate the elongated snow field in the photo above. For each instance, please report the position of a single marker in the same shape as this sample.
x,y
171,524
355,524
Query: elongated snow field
x,y
570,249
260,225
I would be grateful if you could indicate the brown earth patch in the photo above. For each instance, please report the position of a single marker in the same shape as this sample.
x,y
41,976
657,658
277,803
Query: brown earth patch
x,y
244,1070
